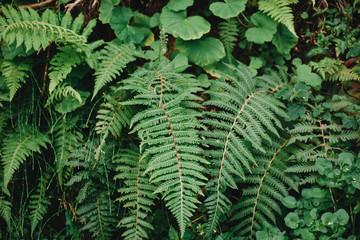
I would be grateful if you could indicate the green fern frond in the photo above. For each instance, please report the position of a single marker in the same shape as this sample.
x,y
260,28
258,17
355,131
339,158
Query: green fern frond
x,y
15,73
61,65
5,210
334,70
113,59
168,129
228,32
268,185
38,204
280,11
245,117
61,91
17,147
27,27
137,194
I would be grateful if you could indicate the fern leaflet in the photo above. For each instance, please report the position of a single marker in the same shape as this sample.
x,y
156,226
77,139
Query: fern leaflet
x,y
228,32
5,210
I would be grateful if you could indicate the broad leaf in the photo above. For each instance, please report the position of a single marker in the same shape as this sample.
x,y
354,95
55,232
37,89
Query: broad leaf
x,y
178,5
106,10
305,75
228,9
202,51
264,30
284,40
177,24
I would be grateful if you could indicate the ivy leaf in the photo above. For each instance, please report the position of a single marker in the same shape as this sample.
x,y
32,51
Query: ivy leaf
x,y
178,5
203,51
305,75
264,30
106,10
228,9
119,22
284,40
177,24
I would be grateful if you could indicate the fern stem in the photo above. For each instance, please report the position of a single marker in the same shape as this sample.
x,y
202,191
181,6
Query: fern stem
x,y
260,185
175,147
323,137
98,209
137,197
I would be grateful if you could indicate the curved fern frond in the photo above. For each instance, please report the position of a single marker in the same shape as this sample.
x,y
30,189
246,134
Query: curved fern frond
x,y
15,73
61,65
113,60
34,31
137,194
17,147
169,136
5,210
62,91
280,11
228,32
268,185
38,204
245,116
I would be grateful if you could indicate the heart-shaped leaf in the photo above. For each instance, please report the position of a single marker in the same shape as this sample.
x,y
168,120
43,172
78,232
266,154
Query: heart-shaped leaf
x,y
177,24
178,5
284,40
203,51
106,9
264,30
305,75
292,220
228,9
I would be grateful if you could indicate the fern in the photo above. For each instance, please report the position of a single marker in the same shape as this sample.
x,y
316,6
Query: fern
x,y
5,210
17,147
169,136
15,73
334,70
228,32
34,31
243,118
61,65
137,194
113,59
280,11
61,91
38,204
268,184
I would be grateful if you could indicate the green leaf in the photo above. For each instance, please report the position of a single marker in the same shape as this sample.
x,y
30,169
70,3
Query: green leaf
x,y
328,218
304,74
264,30
324,166
106,10
342,216
284,40
173,235
346,160
203,51
178,5
179,26
69,103
228,9
292,220
289,202
295,111
181,62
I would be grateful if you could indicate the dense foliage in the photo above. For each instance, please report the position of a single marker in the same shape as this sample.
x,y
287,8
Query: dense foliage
x,y
179,119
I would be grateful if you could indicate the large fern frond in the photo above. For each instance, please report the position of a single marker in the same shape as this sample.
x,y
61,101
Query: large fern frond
x,y
169,136
15,73
17,147
113,59
334,70
38,204
268,185
244,117
34,31
136,194
280,11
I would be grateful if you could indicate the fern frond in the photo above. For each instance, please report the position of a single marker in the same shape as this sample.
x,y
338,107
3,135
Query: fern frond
x,y
137,194
61,65
38,204
245,117
268,185
113,59
17,147
61,91
169,136
14,73
27,27
228,32
5,210
280,11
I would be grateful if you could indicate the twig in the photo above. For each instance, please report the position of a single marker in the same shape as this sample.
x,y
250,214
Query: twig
x,y
35,5
70,6
46,70
323,136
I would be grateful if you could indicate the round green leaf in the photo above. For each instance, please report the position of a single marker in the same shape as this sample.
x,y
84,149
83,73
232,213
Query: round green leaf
x,y
264,30
289,202
284,40
179,26
305,75
328,218
228,9
292,220
342,216
346,160
106,9
324,166
202,51
178,5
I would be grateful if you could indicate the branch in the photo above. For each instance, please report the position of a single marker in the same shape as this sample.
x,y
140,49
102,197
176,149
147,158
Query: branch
x,y
35,5
70,6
